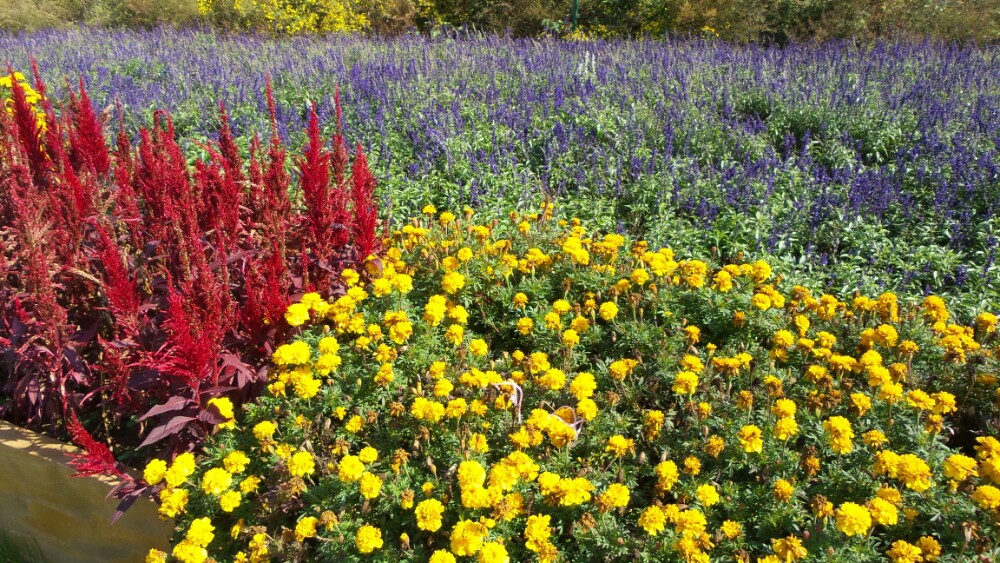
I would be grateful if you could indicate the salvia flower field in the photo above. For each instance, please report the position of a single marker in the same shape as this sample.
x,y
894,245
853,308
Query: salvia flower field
x,y
872,168
473,298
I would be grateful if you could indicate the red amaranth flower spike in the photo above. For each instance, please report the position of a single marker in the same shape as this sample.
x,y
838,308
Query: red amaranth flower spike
x,y
97,459
86,135
366,240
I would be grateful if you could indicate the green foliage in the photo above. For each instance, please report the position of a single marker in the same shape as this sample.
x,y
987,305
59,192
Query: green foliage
x,y
742,20
39,14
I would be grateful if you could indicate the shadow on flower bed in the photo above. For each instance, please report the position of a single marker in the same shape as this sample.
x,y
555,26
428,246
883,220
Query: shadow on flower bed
x,y
142,293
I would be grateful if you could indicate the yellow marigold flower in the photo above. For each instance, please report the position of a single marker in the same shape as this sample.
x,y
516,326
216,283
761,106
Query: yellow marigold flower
x,y
929,547
944,403
751,438
156,556
236,462
230,500
853,519
608,310
789,549
986,322
840,434
685,383
707,495
250,484
883,512
987,497
216,481
350,469
452,282
368,539
587,409
652,520
570,338
783,408
155,471
959,467
478,347
368,455
904,552
493,552
467,537
731,529
553,379
715,445
301,464
761,301
520,300
294,354
297,314
371,485
537,531
620,446
172,502
667,475
583,385
200,532
429,513
442,556
783,490
692,465
616,496
919,399
354,424
561,306
785,428
525,325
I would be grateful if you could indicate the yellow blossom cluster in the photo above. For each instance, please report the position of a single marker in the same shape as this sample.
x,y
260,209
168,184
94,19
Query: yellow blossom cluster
x,y
524,389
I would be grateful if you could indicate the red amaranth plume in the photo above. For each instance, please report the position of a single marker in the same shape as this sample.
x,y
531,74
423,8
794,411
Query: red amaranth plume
x,y
120,289
227,147
366,241
314,176
87,146
97,459
28,132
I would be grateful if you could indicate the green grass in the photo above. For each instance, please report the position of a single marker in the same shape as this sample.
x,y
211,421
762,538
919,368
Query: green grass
x,y
13,551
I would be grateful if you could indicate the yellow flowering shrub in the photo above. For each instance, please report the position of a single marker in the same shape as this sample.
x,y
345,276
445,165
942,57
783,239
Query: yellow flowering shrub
x,y
531,390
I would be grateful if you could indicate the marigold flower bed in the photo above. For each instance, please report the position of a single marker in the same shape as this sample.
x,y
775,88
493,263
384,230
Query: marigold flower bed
x,y
529,390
